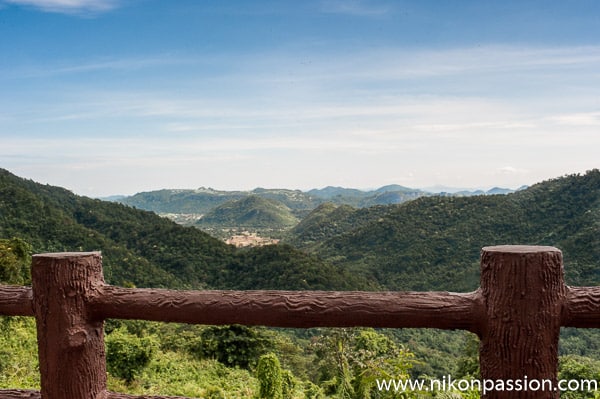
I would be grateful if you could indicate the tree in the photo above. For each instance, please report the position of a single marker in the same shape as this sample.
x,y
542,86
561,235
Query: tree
x,y
578,368
468,363
270,377
15,262
234,346
351,361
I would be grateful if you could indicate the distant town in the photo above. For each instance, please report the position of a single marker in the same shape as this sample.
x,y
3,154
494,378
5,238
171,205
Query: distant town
x,y
248,239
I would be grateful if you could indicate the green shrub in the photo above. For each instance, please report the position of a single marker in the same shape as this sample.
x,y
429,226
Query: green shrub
x,y
313,391
15,262
288,384
128,354
213,392
270,377
234,346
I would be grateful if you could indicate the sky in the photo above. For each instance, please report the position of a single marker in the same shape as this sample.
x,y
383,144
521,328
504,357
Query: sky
x,y
107,97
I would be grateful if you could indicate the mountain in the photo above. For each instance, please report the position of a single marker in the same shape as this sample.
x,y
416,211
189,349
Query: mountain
x,y
204,200
142,249
462,192
499,190
200,201
331,192
250,212
395,188
329,220
386,195
434,242
297,201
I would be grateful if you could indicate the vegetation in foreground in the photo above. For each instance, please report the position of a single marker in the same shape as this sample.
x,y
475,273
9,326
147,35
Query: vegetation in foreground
x,y
168,359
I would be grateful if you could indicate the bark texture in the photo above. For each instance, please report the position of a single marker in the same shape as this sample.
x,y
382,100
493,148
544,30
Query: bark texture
x,y
71,344
16,301
19,394
582,308
523,291
299,309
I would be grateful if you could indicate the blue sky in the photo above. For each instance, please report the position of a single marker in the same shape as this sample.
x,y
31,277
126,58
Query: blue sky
x,y
115,97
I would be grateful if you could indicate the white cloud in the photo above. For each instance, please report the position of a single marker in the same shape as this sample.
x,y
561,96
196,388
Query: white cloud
x,y
358,8
400,64
68,6
578,119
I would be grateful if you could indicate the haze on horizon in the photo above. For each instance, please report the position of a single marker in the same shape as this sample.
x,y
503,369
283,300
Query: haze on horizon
x,y
116,97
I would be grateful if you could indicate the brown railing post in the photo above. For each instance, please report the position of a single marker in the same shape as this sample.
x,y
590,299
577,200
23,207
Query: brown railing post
x,y
71,344
523,292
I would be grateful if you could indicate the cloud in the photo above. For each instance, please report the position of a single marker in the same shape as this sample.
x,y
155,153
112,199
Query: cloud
x,y
107,65
68,6
578,119
353,7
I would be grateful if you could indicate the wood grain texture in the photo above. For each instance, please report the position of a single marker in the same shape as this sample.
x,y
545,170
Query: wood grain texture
x,y
299,309
19,394
582,308
523,291
70,344
16,301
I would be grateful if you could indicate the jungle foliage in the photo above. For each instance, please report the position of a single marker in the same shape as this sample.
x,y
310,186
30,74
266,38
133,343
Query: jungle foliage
x,y
431,243
141,249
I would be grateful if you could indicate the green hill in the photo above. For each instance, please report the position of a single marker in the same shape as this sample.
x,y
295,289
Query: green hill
x,y
329,220
250,212
205,200
143,249
434,242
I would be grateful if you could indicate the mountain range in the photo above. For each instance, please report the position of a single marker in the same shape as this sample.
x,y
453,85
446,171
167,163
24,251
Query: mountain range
x,y
431,242
204,200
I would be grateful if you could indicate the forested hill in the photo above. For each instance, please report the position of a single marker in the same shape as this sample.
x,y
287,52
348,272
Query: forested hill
x,y
205,200
143,249
250,212
433,243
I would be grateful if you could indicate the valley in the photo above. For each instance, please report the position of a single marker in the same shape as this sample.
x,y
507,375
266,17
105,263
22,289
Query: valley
x,y
430,242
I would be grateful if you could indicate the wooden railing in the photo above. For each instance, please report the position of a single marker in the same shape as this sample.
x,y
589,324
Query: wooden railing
x,y
517,313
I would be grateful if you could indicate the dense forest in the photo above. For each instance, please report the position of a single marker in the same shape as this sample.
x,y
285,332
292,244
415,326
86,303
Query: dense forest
x,y
140,248
251,212
434,242
429,243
